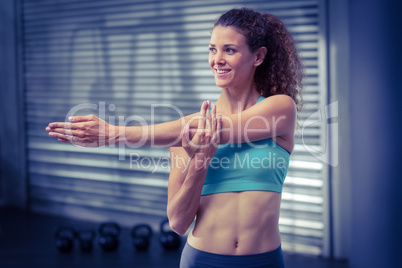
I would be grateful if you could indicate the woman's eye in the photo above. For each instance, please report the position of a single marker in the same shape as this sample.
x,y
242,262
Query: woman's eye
x,y
212,50
230,50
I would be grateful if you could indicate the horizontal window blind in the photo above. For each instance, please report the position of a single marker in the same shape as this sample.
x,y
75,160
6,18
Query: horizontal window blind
x,y
116,59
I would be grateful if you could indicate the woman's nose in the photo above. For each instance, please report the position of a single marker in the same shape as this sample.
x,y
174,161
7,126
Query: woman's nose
x,y
219,59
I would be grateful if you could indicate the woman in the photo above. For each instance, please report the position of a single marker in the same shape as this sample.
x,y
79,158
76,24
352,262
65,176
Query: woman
x,y
234,189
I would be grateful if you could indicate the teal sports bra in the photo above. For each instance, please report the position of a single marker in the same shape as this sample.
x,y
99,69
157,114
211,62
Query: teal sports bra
x,y
255,166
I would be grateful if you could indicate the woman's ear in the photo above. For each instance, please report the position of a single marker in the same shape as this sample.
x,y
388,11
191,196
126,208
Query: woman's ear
x,y
260,56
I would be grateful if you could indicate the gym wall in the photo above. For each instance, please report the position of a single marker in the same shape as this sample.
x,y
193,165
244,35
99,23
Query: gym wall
x,y
117,59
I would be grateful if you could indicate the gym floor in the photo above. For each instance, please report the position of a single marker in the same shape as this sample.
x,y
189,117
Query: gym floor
x,y
26,240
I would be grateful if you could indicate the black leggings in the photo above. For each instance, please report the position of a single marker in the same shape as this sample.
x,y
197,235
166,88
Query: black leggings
x,y
194,258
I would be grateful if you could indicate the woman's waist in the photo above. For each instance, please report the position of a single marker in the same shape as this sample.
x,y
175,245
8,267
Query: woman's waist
x,y
239,210
237,223
229,227
232,242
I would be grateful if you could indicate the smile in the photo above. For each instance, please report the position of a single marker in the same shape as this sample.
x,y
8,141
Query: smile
x,y
222,71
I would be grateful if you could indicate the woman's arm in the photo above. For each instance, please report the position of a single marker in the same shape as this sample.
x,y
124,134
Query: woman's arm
x,y
189,166
186,180
91,131
272,117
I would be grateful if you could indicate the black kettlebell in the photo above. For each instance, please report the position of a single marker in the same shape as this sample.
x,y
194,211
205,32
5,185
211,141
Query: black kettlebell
x,y
169,239
64,239
109,236
86,237
141,235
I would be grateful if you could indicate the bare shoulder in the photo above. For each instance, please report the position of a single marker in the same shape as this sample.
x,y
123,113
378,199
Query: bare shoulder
x,y
281,98
278,106
282,109
282,101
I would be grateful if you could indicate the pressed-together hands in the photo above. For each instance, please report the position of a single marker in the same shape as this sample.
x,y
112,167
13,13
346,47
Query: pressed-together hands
x,y
202,147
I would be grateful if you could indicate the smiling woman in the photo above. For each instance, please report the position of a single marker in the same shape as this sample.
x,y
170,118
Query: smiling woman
x,y
255,63
231,60
237,210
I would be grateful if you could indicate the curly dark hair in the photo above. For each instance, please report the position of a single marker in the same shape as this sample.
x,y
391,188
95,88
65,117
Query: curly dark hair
x,y
281,71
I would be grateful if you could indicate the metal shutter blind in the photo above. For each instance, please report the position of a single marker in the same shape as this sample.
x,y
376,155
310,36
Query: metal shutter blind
x,y
117,58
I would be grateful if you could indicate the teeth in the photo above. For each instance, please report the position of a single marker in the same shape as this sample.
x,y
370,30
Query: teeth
x,y
222,71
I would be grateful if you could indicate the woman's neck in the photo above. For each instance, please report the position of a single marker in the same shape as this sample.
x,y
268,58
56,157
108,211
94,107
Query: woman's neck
x,y
234,101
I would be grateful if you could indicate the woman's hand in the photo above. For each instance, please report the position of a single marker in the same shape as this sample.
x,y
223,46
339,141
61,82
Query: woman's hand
x,y
86,131
202,147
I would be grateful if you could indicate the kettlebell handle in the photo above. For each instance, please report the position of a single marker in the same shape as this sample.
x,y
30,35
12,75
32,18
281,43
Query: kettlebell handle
x,y
112,225
89,233
68,230
162,226
141,226
169,239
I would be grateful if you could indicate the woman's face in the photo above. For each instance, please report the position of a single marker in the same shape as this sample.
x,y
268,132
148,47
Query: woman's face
x,y
230,59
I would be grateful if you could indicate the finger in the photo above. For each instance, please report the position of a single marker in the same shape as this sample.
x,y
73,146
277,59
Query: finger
x,y
185,137
219,129
60,136
57,135
64,125
66,131
201,120
208,125
63,140
85,118
58,125
214,119
72,139
57,131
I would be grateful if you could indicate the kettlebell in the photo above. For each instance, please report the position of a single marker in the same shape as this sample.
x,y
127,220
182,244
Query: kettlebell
x,y
86,237
64,239
141,235
169,239
109,236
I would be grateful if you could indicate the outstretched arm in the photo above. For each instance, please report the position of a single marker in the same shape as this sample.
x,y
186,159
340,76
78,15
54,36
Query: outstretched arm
x,y
91,131
271,117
